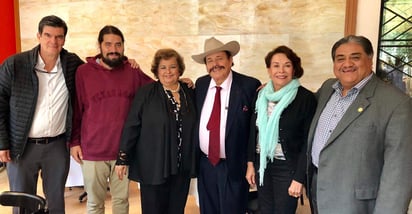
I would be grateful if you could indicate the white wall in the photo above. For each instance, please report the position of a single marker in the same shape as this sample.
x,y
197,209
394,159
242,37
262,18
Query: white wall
x,y
367,21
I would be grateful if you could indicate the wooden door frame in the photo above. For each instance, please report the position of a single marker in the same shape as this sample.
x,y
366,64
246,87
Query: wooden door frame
x,y
350,17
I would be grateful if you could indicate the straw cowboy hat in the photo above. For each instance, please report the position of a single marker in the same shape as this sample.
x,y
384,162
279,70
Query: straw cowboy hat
x,y
213,45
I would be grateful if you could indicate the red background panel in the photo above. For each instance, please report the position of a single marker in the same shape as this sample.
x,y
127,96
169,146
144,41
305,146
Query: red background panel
x,y
9,36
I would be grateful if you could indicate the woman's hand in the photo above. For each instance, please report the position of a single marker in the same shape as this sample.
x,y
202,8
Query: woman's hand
x,y
121,171
295,189
250,174
189,82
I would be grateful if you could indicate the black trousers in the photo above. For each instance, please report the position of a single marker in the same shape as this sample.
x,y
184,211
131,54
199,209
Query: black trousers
x,y
169,197
313,196
218,192
273,196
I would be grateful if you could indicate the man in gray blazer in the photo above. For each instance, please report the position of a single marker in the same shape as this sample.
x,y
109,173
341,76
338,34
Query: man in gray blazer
x,y
360,140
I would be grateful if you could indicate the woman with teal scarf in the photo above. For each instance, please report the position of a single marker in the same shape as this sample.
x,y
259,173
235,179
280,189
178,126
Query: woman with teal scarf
x,y
277,147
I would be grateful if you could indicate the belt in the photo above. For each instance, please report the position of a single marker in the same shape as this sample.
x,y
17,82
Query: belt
x,y
44,140
205,155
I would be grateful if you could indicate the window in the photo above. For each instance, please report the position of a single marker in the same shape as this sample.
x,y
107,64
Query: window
x,y
394,64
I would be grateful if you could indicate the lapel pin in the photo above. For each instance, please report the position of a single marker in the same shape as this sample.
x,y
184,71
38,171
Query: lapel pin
x,y
360,109
245,108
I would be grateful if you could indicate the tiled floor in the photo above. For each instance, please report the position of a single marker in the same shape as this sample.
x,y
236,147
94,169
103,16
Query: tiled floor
x,y
74,206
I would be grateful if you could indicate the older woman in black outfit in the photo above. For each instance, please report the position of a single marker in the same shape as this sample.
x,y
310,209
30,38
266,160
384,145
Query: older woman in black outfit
x,y
277,147
156,141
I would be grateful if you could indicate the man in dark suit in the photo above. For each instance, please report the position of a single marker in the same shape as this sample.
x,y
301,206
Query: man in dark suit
x,y
222,166
360,140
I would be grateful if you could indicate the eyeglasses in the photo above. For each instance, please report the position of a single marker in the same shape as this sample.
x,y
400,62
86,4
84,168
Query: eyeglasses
x,y
44,71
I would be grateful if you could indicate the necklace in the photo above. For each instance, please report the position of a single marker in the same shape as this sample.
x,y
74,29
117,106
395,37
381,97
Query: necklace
x,y
175,90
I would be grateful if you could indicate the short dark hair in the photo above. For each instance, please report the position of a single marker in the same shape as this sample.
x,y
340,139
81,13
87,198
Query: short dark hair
x,y
291,55
109,29
167,53
361,40
53,21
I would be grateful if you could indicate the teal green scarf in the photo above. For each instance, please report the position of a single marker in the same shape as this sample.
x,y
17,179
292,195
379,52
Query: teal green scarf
x,y
269,126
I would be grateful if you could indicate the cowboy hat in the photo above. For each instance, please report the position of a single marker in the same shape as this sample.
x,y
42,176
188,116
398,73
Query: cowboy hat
x,y
213,45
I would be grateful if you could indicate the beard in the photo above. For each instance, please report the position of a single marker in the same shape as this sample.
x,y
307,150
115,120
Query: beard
x,y
113,62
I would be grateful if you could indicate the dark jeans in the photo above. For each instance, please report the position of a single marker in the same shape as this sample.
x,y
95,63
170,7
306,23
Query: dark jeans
x,y
273,195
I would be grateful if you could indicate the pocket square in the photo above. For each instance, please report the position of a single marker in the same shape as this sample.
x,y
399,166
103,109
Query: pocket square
x,y
245,108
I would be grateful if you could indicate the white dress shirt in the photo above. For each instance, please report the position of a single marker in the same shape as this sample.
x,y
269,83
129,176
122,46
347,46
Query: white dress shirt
x,y
52,102
207,111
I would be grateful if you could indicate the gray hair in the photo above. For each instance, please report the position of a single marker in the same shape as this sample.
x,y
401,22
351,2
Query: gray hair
x,y
361,40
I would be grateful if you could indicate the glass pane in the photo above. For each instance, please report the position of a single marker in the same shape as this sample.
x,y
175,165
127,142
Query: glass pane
x,y
395,44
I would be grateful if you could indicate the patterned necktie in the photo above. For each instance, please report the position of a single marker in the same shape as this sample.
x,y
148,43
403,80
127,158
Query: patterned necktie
x,y
214,130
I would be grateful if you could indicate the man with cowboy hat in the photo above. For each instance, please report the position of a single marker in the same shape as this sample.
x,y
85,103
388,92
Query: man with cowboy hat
x,y
224,132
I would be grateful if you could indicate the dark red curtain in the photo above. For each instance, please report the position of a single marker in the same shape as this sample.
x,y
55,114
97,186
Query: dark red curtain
x,y
8,33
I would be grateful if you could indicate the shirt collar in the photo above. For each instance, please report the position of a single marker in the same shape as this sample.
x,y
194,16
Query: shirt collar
x,y
339,88
40,64
225,84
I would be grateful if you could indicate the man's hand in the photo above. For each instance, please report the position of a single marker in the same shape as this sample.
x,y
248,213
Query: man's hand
x,y
5,156
76,152
133,63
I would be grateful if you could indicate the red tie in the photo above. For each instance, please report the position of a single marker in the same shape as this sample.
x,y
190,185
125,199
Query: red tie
x,y
214,130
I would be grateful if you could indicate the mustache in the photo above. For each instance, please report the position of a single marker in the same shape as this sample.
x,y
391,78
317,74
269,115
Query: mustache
x,y
113,53
216,67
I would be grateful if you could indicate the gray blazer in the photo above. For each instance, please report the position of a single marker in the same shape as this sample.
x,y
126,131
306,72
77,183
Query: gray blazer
x,y
366,165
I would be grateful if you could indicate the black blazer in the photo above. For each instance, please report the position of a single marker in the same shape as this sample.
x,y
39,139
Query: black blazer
x,y
149,138
293,132
240,110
